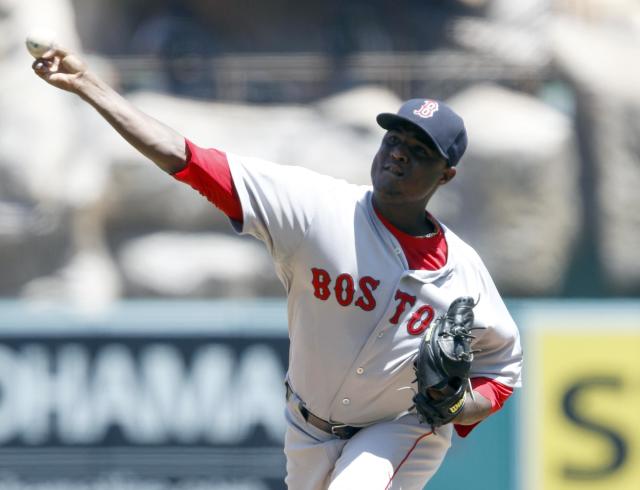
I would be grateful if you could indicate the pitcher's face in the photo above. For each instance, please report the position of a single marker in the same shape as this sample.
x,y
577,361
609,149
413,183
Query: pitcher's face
x,y
406,169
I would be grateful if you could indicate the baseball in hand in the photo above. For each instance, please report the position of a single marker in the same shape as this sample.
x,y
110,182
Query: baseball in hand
x,y
39,42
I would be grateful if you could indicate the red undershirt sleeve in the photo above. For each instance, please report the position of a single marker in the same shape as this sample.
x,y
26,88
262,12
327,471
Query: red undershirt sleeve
x,y
207,171
495,392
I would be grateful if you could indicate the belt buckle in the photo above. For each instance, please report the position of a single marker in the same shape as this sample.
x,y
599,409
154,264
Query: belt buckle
x,y
337,430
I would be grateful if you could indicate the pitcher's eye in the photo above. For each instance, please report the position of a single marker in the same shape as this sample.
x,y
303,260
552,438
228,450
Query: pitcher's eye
x,y
392,139
420,152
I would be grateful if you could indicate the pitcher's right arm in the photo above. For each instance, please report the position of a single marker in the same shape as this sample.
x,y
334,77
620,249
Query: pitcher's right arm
x,y
156,141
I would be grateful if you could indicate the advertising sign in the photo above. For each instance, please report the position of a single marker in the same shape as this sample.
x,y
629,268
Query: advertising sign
x,y
583,397
139,400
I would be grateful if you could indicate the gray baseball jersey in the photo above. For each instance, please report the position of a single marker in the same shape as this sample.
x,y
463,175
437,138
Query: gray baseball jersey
x,y
356,312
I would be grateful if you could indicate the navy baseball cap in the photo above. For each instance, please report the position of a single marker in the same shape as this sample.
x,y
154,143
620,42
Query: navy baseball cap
x,y
437,120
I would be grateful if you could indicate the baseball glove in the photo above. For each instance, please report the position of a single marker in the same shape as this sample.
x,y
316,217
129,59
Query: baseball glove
x,y
443,364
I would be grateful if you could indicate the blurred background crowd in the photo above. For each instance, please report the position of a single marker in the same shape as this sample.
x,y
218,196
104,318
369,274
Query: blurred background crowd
x,y
547,192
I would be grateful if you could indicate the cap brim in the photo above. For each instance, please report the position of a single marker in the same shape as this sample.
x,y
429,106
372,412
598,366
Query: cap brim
x,y
388,121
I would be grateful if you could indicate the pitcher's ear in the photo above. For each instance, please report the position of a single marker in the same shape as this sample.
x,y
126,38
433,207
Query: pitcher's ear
x,y
448,174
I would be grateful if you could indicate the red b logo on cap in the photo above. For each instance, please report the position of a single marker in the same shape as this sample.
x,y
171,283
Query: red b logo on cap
x,y
427,109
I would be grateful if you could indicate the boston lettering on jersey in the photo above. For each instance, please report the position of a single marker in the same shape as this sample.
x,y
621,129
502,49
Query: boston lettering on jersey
x,y
344,292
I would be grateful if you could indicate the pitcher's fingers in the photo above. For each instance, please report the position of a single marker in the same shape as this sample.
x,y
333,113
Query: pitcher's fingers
x,y
41,66
57,77
55,63
55,52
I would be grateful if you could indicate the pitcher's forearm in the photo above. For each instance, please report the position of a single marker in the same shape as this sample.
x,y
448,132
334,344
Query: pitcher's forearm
x,y
158,142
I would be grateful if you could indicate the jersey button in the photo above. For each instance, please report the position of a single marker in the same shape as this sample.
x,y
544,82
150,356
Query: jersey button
x,y
380,335
359,370
346,401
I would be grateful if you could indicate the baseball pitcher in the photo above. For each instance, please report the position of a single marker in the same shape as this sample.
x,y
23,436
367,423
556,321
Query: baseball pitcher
x,y
398,333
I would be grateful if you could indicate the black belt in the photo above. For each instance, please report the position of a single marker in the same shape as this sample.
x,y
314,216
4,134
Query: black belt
x,y
341,431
